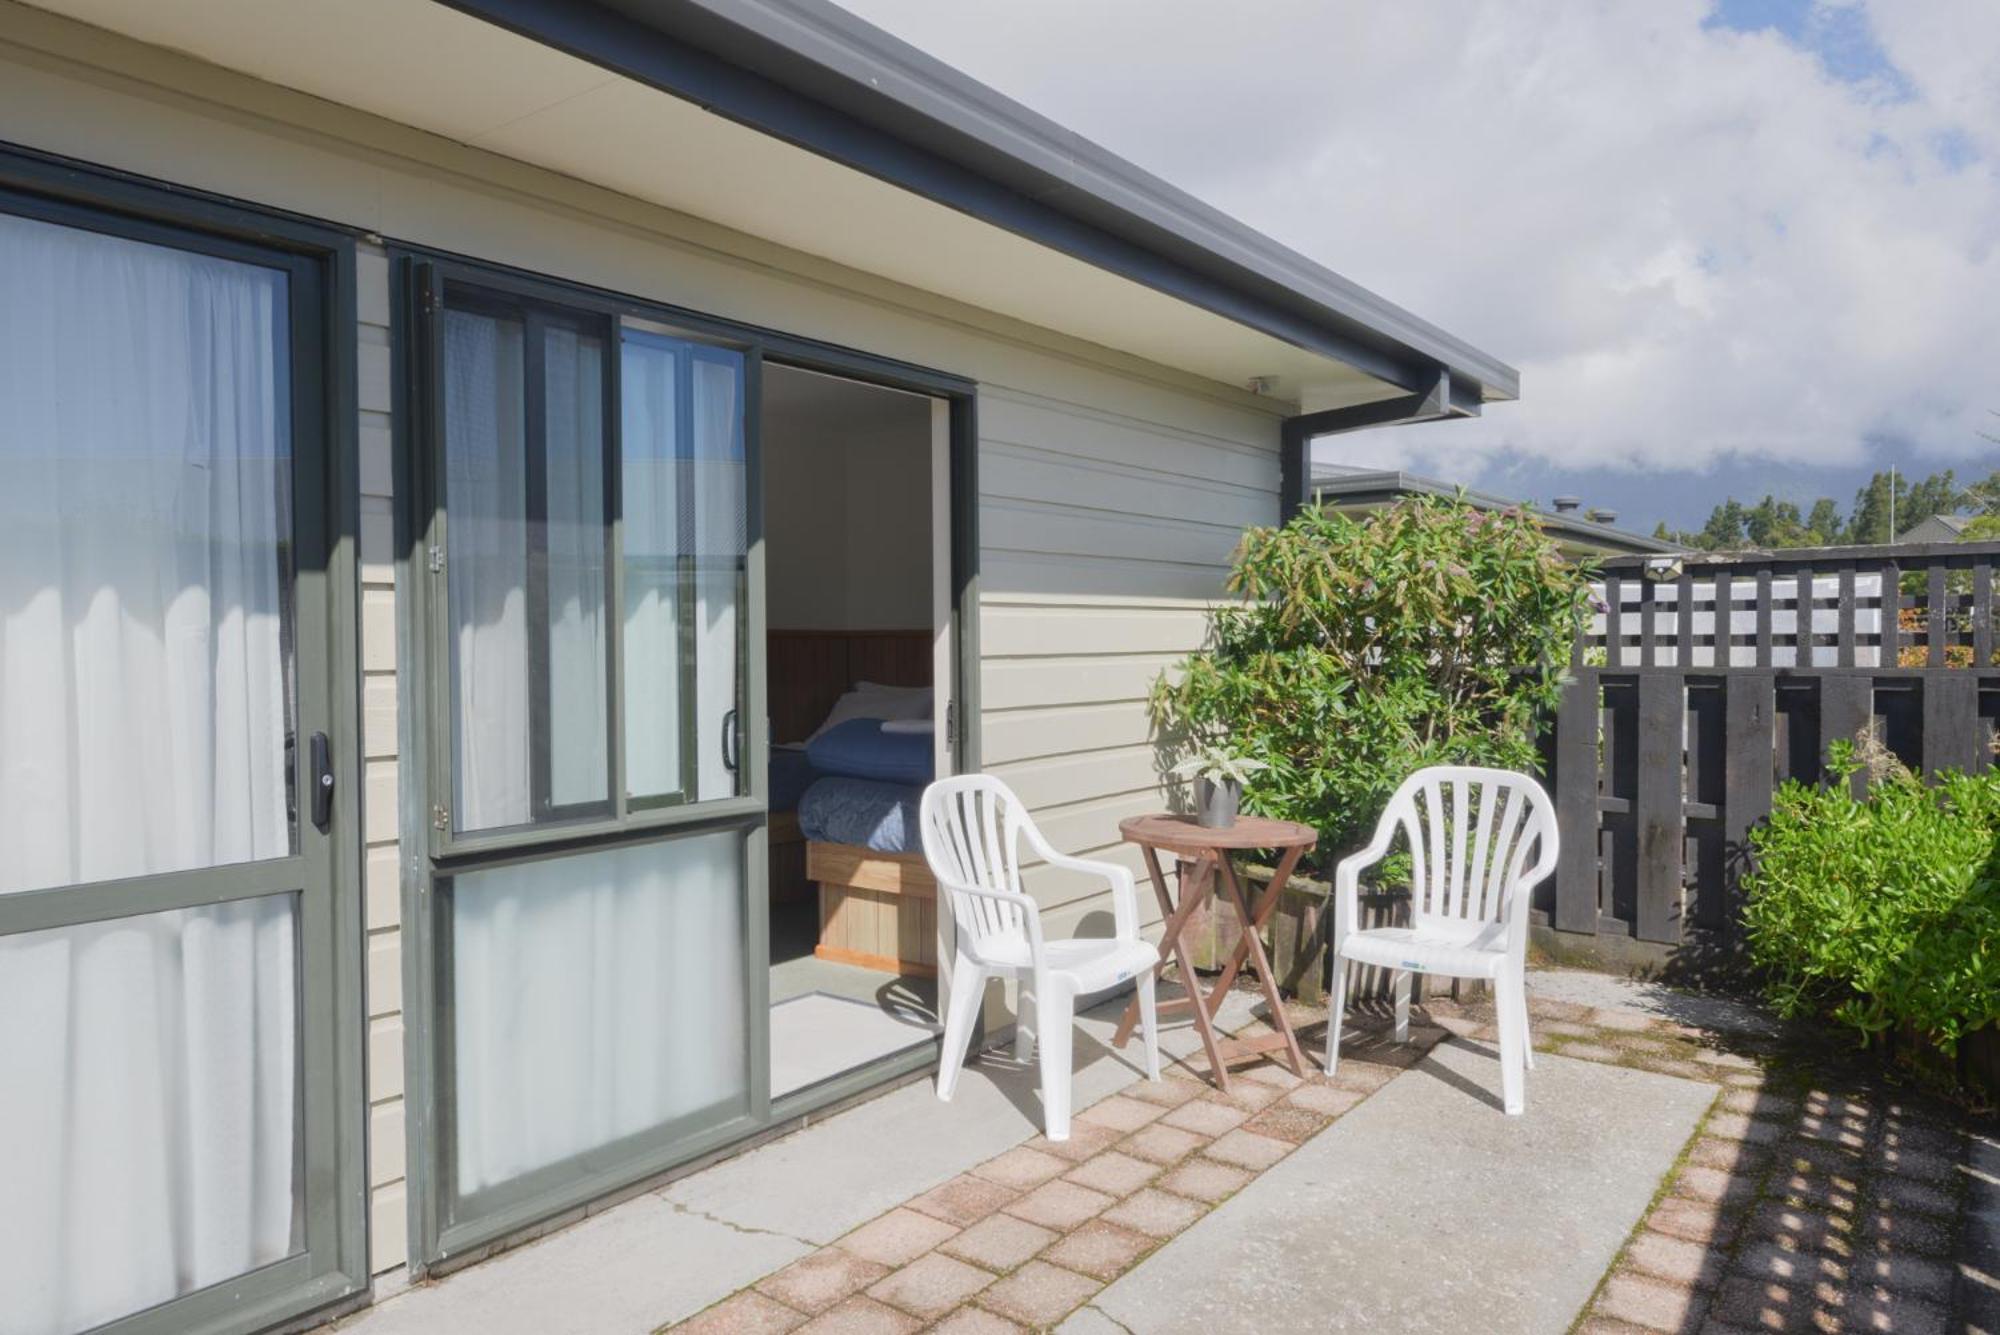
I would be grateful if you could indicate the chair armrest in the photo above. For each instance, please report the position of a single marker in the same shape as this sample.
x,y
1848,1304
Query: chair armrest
x,y
1347,881
1031,912
1124,894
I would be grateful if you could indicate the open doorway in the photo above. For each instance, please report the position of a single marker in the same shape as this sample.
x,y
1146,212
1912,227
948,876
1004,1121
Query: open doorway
x,y
857,517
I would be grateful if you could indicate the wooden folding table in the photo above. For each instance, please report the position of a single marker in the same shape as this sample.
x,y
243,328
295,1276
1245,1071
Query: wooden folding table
x,y
1209,850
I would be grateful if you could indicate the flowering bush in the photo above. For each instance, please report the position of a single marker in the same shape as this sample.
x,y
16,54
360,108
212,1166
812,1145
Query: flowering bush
x,y
1366,646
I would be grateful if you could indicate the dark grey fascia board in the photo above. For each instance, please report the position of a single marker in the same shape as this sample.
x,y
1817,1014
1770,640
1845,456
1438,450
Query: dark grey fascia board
x,y
816,76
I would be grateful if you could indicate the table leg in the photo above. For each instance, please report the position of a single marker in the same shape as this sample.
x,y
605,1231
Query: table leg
x,y
1251,947
1196,887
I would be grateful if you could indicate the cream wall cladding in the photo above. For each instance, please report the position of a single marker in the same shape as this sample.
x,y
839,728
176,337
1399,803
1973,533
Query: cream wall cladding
x,y
1111,490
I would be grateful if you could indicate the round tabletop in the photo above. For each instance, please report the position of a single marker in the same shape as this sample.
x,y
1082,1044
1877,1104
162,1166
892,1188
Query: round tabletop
x,y
1164,829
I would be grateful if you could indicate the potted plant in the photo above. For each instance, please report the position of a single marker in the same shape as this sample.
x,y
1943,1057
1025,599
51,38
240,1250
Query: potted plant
x,y
1218,775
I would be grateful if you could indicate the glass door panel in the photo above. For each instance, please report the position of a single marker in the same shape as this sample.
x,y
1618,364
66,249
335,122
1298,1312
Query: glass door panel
x,y
145,510
597,997
526,563
685,511
155,745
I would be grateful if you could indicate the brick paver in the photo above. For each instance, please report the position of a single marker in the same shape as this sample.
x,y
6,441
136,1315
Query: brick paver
x,y
1806,1201
1039,1294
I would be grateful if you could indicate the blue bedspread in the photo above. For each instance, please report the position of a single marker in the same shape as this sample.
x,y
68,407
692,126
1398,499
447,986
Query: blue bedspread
x,y
879,816
791,774
860,749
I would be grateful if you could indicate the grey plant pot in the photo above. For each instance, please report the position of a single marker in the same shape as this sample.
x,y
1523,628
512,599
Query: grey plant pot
x,y
1215,803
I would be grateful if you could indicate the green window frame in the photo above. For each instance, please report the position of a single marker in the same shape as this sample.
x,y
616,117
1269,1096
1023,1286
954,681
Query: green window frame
x,y
330,1271
447,1232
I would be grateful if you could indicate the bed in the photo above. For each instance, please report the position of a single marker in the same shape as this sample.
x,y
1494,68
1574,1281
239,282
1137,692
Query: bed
x,y
845,791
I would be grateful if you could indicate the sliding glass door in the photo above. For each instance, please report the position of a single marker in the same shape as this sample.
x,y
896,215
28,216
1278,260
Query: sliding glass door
x,y
596,832
170,1114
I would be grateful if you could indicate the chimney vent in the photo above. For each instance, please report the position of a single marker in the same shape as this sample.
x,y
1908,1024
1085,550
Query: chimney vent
x,y
1603,516
1568,505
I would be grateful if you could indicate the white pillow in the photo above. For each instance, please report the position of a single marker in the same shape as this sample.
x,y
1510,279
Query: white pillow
x,y
878,702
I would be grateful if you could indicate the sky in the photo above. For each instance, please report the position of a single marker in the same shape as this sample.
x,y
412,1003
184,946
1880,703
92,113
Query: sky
x,y
1733,246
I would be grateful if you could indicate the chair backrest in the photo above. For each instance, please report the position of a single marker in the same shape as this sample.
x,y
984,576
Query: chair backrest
x,y
970,827
1471,833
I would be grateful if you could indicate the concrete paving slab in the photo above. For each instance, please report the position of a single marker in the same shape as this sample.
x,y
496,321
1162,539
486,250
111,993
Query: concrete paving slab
x,y
664,1256
624,1272
1614,992
1427,1209
833,1176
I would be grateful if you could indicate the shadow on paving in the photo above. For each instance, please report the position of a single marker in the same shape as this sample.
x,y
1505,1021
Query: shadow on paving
x,y
1817,1195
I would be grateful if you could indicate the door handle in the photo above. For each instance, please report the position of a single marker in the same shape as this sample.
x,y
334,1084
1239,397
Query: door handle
x,y
322,782
729,741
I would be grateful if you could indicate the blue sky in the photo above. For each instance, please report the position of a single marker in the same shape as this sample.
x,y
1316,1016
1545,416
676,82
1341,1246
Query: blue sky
x,y
1733,246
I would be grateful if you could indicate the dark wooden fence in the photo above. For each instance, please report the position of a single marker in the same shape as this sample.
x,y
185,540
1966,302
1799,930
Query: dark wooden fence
x,y
1707,681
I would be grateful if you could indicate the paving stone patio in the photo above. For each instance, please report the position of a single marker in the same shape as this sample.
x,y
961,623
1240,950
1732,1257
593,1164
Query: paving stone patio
x,y
1812,1197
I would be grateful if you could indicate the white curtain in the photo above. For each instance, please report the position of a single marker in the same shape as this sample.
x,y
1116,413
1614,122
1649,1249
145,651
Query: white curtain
x,y
579,688
595,996
719,530
486,498
649,390
147,1064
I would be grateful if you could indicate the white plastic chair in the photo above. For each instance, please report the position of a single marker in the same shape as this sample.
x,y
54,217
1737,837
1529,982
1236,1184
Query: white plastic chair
x,y
972,828
1470,833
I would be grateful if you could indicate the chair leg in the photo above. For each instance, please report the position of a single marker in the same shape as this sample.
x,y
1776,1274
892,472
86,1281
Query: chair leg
x,y
1337,1011
1055,1012
1402,990
1510,1015
1024,1022
1149,1021
968,986
1527,1035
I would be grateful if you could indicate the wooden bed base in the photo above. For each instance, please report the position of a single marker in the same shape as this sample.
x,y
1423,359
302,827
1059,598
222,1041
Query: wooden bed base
x,y
876,910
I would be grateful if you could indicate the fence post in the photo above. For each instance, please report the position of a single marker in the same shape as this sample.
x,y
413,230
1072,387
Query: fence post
x,y
1661,819
1846,706
1750,706
1576,805
1951,722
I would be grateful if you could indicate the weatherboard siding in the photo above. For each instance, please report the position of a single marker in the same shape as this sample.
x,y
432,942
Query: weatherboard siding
x,y
1112,490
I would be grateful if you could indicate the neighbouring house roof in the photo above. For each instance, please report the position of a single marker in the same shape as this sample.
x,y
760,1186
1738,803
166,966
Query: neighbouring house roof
x,y
1363,489
1937,528
796,122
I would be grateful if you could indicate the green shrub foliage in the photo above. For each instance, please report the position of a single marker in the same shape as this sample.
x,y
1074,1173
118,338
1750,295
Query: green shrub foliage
x,y
1365,646
1882,912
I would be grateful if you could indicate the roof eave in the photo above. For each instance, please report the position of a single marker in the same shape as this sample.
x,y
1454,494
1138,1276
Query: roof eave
x,y
818,77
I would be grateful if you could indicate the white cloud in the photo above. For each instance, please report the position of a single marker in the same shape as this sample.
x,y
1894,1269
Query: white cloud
x,y
1694,242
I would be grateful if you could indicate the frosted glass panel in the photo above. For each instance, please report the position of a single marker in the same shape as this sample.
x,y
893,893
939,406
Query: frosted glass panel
x,y
486,480
526,533
145,507
149,1112
595,997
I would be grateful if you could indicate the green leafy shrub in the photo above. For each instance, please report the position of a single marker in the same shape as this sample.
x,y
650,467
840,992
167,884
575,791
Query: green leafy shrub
x,y
1365,646
1881,912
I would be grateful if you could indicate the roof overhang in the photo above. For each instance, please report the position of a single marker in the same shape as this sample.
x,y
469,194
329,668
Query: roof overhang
x,y
796,122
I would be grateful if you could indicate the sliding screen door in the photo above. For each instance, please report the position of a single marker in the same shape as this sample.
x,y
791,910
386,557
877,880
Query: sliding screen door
x,y
166,1107
593,848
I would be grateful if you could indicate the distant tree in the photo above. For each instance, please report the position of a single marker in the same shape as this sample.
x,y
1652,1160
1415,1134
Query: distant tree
x,y
1725,528
1870,523
1823,525
1774,523
1985,528
1661,533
